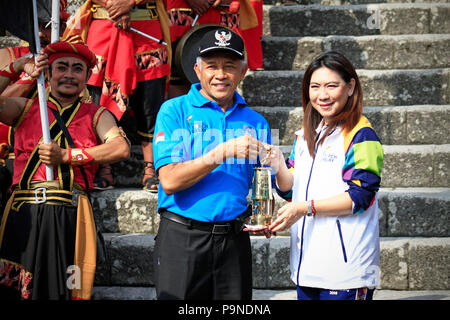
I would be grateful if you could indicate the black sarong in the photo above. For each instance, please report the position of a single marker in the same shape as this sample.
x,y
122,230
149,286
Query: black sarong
x,y
37,250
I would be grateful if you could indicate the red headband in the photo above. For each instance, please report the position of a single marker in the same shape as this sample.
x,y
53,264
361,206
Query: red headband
x,y
66,49
57,55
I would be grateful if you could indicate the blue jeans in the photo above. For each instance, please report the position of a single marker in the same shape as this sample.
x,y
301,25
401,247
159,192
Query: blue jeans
x,y
306,293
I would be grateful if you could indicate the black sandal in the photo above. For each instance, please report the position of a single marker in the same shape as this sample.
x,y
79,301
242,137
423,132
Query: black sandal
x,y
151,184
100,180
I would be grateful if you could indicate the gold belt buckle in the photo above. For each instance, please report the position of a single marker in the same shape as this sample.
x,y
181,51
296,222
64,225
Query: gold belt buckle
x,y
44,194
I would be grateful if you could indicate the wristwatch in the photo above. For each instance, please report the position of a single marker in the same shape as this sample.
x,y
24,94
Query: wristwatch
x,y
309,211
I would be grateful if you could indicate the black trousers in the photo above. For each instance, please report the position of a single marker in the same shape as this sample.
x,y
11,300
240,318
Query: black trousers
x,y
192,264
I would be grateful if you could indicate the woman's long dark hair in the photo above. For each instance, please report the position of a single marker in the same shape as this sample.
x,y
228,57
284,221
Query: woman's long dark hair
x,y
350,114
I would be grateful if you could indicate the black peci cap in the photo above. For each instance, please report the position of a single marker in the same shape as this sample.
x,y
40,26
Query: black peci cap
x,y
221,39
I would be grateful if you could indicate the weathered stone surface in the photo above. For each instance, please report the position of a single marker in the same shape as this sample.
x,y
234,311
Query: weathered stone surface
x,y
129,173
406,166
402,125
411,212
290,53
400,161
380,87
428,266
148,293
131,258
419,18
441,166
405,87
278,275
260,248
284,120
402,212
394,263
123,293
428,125
365,52
126,211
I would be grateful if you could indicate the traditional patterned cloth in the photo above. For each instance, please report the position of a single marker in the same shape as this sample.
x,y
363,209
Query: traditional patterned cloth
x,y
48,235
123,58
181,17
63,14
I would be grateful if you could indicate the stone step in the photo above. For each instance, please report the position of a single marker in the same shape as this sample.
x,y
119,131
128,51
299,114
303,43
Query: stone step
x,y
380,87
418,166
149,293
379,294
404,125
405,263
365,52
342,2
403,212
408,166
426,166
357,20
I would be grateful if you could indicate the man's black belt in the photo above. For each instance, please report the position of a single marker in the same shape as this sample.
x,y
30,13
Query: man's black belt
x,y
213,227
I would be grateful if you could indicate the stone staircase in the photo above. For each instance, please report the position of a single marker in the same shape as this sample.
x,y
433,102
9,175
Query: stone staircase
x,y
402,54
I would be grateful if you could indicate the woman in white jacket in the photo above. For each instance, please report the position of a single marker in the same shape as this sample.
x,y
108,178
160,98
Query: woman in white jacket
x,y
332,176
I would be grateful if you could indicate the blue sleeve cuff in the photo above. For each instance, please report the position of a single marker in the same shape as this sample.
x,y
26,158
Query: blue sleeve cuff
x,y
362,198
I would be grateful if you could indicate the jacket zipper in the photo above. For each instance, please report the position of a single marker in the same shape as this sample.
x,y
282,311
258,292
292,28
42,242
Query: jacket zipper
x,y
342,240
304,217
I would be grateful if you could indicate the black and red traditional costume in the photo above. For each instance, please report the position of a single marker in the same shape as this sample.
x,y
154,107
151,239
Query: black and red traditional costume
x,y
48,234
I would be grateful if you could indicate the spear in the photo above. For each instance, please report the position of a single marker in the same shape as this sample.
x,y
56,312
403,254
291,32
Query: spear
x,y
55,21
41,92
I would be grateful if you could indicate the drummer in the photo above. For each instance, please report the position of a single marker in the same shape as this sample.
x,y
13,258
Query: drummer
x,y
237,15
201,250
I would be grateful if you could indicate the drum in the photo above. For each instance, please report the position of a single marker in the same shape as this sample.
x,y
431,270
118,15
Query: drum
x,y
187,50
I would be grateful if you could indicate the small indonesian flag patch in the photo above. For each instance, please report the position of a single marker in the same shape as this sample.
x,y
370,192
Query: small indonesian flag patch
x,y
159,137
79,157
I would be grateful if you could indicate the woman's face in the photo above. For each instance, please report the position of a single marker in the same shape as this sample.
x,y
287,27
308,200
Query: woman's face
x,y
328,92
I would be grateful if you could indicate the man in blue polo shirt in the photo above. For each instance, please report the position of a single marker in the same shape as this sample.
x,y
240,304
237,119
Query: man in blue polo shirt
x,y
206,145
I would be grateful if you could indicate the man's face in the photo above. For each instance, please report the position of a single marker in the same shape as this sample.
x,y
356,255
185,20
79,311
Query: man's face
x,y
68,77
219,75
45,32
